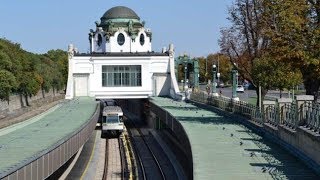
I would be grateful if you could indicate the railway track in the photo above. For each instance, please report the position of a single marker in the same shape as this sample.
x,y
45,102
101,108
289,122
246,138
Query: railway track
x,y
136,155
115,160
150,167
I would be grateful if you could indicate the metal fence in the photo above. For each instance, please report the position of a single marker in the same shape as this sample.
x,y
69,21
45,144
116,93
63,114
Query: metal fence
x,y
290,115
310,116
226,104
270,115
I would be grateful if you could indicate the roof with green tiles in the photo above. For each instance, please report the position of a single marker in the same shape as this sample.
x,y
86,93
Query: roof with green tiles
x,y
224,149
22,142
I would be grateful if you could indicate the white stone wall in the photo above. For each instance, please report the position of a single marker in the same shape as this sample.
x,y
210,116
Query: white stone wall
x,y
128,46
150,65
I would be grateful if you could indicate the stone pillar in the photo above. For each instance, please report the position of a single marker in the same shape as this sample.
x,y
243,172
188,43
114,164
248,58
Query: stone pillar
x,y
300,100
264,112
69,91
281,102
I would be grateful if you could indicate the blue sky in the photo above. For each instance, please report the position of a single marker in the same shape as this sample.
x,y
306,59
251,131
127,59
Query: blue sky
x,y
192,26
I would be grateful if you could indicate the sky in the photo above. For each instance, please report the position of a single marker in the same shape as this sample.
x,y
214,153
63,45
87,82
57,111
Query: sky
x,y
192,26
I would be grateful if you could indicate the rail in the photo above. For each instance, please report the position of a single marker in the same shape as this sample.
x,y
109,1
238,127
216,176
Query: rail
x,y
149,149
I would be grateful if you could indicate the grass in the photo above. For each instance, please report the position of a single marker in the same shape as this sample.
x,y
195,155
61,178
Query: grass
x,y
253,100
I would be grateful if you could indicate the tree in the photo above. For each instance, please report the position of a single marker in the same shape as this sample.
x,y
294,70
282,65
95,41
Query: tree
x,y
45,69
272,73
202,69
223,64
26,73
244,41
60,59
7,84
293,29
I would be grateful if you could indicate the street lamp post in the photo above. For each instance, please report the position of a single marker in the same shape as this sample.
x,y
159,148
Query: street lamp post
x,y
234,84
218,74
214,87
185,76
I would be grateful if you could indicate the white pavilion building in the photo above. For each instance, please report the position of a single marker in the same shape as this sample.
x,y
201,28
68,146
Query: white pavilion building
x,y
121,63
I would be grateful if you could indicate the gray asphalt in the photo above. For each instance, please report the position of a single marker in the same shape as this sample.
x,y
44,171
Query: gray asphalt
x,y
227,91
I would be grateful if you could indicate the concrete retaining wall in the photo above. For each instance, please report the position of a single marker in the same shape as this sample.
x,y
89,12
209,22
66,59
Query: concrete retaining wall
x,y
156,113
17,103
300,142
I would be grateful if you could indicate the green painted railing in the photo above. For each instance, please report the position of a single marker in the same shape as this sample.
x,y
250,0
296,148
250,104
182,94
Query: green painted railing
x,y
226,104
290,115
311,116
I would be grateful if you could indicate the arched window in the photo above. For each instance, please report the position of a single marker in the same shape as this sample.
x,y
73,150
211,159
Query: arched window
x,y
99,40
121,39
142,39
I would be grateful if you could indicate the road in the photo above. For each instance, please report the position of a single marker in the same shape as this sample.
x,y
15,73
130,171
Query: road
x,y
227,91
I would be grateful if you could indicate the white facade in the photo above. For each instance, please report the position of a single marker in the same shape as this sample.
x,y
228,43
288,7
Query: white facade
x,y
85,76
121,42
130,45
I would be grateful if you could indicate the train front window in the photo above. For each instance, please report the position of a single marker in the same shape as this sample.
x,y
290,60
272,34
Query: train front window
x,y
112,119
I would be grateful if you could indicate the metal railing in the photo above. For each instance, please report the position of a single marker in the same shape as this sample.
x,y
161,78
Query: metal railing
x,y
226,104
289,115
310,116
271,115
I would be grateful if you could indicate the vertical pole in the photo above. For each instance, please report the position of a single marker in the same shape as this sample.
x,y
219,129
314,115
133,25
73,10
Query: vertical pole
x,y
196,73
292,93
214,88
218,72
185,75
234,84
260,100
206,70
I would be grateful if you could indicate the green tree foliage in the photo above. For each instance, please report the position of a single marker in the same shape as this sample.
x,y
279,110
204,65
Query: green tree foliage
x,y
60,59
293,29
223,66
244,42
221,61
7,84
26,73
272,73
280,37
202,69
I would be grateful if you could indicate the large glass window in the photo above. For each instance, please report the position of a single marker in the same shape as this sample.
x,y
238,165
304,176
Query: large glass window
x,y
118,76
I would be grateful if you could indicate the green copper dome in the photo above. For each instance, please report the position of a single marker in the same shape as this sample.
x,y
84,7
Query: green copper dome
x,y
120,12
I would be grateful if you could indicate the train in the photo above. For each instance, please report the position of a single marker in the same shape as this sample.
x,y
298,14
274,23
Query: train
x,y
112,118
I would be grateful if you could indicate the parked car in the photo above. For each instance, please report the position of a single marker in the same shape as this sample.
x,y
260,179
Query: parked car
x,y
221,85
240,89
